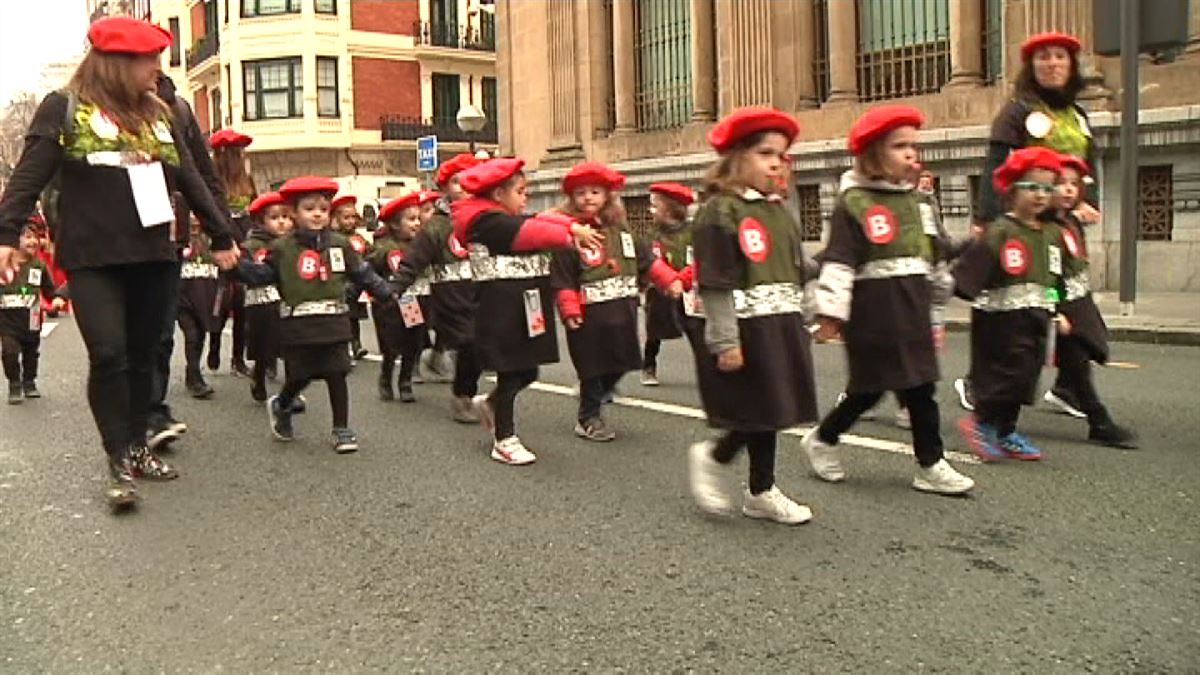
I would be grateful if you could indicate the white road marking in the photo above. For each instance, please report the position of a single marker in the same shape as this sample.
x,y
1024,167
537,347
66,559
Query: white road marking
x,y
48,328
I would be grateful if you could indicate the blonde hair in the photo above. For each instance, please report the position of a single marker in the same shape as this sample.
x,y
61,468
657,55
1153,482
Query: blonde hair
x,y
230,165
104,79
611,215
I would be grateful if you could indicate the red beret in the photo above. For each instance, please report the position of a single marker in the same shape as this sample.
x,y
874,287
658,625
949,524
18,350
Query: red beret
x,y
592,173
229,138
1051,39
744,122
455,164
483,177
1022,161
1073,162
879,122
428,196
395,206
343,199
264,200
127,35
295,188
680,193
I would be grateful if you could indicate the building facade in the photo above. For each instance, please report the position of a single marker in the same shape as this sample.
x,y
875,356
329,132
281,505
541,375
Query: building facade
x,y
340,88
638,83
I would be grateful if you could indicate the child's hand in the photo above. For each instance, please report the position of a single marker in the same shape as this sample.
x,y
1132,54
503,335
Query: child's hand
x,y
586,237
573,322
227,259
57,304
828,329
1087,214
675,289
730,360
1064,324
939,338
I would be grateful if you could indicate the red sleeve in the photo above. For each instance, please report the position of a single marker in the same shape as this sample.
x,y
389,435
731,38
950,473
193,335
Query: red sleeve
x,y
547,230
688,276
570,304
661,274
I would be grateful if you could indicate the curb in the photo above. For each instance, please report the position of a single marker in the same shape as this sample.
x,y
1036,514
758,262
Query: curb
x,y
1185,337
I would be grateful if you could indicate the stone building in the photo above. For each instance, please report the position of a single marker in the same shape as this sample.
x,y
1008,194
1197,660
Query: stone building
x,y
638,83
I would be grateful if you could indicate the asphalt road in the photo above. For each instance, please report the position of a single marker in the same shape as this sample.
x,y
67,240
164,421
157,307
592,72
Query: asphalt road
x,y
420,554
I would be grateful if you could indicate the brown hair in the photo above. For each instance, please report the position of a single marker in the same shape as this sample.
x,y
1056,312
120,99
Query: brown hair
x,y
506,185
673,210
728,174
103,79
611,215
870,162
1027,88
230,165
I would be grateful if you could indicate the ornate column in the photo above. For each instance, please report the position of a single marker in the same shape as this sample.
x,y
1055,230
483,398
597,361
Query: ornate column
x,y
966,32
843,51
623,66
704,67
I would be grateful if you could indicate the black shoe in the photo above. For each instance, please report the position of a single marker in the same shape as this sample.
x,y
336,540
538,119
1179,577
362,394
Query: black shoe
x,y
406,391
299,404
160,433
258,392
357,350
272,372
15,393
198,388
386,393
1113,435
31,390
239,368
147,465
121,491
280,419
344,441
214,360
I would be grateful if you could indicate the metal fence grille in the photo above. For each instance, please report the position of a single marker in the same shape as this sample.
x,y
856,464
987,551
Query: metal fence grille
x,y
812,223
903,47
992,43
1156,214
821,82
662,63
637,215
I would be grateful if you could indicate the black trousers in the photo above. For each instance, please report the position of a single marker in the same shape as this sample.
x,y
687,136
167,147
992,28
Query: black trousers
x,y
408,363
922,409
1002,415
195,330
593,391
166,347
650,357
20,356
504,399
760,446
466,372
119,310
1075,376
233,308
339,395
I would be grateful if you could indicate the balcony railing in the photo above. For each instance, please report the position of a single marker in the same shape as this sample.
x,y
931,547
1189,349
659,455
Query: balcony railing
x,y
401,128
203,48
455,35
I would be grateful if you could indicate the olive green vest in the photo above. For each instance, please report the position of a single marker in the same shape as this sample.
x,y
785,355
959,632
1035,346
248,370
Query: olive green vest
x,y
766,234
674,247
308,276
891,222
381,252
22,284
613,260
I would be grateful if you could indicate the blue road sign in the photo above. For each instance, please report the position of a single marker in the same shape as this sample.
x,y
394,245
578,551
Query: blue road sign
x,y
427,153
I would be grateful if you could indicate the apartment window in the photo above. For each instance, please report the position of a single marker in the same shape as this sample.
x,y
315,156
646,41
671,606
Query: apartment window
x,y
326,6
274,89
214,112
662,63
1156,213
811,222
251,8
993,40
490,100
445,99
903,47
443,23
821,81
327,86
173,22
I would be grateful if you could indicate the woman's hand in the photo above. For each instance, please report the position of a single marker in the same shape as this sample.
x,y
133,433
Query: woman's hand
x,y
573,322
730,360
1087,214
227,259
8,264
585,236
1064,324
828,329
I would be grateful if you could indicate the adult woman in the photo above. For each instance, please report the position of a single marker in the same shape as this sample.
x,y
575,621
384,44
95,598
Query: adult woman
x,y
111,142
229,157
1042,112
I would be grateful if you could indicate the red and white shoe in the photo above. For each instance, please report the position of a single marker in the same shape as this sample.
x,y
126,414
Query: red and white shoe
x,y
512,451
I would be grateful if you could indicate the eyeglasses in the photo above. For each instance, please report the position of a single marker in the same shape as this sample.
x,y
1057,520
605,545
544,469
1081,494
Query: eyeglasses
x,y
1047,188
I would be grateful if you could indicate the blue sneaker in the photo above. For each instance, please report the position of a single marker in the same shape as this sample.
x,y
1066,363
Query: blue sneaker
x,y
1016,446
981,438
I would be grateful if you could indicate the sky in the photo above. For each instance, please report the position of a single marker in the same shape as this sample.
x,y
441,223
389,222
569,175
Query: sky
x,y
34,33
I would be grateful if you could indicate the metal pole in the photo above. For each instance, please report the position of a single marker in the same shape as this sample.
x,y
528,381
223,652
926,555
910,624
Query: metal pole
x,y
1129,153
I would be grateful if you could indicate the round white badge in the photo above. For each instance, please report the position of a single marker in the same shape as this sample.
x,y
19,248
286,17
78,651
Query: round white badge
x,y
162,132
103,125
1038,124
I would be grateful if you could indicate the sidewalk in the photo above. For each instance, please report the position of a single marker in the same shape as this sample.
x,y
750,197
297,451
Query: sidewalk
x,y
1159,318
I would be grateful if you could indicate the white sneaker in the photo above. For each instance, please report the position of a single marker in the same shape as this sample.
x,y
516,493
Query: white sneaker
x,y
512,451
942,479
776,506
903,419
705,476
823,458
1062,405
965,398
867,415
485,413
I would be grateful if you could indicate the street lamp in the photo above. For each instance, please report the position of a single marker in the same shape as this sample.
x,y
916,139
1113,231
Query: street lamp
x,y
471,120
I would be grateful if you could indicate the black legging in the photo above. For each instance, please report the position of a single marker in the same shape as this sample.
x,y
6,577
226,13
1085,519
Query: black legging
x,y
195,330
233,308
760,446
339,396
922,409
21,354
593,391
650,360
466,372
119,312
1075,376
1000,415
504,399
166,346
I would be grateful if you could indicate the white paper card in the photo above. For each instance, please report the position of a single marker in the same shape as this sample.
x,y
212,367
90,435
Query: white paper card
x,y
410,311
535,317
692,306
150,194
337,260
35,277
35,317
687,257
627,248
1055,260
928,221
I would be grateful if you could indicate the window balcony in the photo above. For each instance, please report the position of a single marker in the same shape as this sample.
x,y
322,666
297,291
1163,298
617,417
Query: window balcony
x,y
203,49
402,128
455,35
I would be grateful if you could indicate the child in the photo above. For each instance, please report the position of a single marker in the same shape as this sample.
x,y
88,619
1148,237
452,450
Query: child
x,y
512,274
756,375
400,328
198,299
875,290
452,291
1074,391
311,267
1012,272
597,292
346,221
21,318
669,204
272,219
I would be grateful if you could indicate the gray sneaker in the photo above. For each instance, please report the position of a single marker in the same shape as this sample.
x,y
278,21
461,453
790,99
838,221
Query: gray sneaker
x,y
594,430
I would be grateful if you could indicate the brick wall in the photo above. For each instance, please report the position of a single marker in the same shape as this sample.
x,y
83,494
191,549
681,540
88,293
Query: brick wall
x,y
385,16
199,29
200,108
384,87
